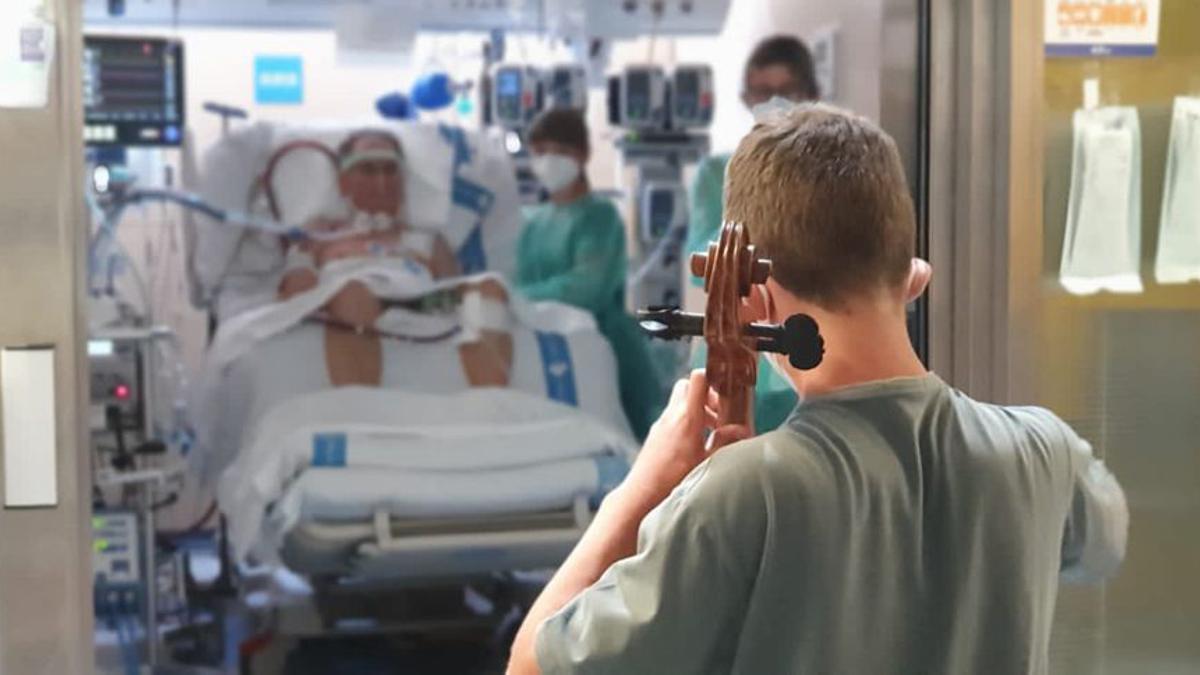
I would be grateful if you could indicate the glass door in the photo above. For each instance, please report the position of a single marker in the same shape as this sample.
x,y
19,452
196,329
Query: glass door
x,y
1111,324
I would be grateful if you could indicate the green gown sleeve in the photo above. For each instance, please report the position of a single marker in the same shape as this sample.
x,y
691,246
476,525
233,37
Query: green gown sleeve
x,y
707,204
524,244
598,254
706,208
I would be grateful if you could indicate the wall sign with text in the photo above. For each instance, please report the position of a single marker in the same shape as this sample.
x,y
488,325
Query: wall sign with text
x,y
1102,27
278,80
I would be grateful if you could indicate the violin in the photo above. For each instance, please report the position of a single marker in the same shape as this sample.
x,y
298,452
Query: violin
x,y
730,269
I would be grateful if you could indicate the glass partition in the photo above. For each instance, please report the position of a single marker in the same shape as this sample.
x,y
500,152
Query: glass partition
x,y
1122,363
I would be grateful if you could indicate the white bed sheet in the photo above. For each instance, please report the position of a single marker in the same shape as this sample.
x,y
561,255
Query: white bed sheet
x,y
229,402
520,453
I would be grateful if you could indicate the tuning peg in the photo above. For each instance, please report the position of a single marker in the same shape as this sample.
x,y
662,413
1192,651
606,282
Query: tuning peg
x,y
804,345
799,337
670,323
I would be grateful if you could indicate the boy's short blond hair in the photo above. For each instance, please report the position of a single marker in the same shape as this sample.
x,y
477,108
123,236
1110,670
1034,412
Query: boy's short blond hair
x,y
822,193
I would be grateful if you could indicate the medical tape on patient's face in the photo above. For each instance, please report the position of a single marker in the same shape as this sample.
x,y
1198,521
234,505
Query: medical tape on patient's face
x,y
478,314
376,155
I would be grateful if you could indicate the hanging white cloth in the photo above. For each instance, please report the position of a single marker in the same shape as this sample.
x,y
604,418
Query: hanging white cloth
x,y
1102,247
1178,257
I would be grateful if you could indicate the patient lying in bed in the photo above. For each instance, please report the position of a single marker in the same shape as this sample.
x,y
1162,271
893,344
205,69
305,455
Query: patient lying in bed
x,y
370,180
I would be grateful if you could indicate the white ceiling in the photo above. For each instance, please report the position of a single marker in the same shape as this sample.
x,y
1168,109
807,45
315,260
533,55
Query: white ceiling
x,y
603,18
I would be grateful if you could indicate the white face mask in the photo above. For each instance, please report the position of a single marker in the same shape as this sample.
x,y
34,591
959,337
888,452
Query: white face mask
x,y
777,105
555,172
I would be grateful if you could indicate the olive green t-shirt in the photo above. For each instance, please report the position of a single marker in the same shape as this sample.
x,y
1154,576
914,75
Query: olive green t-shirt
x,y
893,527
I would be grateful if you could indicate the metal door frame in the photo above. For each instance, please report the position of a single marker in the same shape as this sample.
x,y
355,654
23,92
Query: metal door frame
x,y
46,562
984,199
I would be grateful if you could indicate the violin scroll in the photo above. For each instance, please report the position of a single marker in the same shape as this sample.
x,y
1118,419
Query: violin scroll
x,y
730,270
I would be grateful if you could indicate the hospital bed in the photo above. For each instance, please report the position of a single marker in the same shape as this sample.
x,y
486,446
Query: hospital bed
x,y
285,451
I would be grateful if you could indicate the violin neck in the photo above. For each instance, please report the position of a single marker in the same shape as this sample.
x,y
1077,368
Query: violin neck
x,y
736,407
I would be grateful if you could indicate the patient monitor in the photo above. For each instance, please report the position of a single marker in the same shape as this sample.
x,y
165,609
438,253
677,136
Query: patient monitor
x,y
637,98
692,97
666,115
644,98
517,95
133,91
566,87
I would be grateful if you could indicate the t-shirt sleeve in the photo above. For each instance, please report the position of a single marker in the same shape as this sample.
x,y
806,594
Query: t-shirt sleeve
x,y
1096,530
678,605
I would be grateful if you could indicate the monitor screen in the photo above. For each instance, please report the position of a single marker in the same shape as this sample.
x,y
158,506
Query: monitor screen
x,y
508,95
637,101
687,95
132,91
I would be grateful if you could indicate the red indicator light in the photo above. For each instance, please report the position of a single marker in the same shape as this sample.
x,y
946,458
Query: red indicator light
x,y
121,391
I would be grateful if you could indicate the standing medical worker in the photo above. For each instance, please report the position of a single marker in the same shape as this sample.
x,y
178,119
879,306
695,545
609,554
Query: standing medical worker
x,y
893,525
573,250
778,66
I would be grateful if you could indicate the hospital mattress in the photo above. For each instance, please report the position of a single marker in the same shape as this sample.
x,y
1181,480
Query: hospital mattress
x,y
351,454
354,495
425,549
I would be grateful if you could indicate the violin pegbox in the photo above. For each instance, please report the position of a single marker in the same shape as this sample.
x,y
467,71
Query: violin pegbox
x,y
730,269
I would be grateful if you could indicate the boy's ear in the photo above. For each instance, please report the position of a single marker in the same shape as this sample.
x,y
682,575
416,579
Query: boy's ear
x,y
756,306
919,275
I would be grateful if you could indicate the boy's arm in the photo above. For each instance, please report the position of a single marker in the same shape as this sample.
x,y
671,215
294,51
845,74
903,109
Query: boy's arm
x,y
612,536
672,450
1096,530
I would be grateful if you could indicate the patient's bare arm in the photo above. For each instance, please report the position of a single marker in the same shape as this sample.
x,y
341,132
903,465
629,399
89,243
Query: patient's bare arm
x,y
443,264
299,280
487,361
296,282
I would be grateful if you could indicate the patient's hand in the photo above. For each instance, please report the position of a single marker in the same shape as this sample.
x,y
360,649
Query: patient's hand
x,y
296,282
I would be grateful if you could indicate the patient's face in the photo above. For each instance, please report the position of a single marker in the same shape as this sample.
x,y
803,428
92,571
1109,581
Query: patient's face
x,y
374,185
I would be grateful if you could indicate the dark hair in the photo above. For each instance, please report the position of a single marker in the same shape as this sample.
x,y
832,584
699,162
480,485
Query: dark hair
x,y
791,52
346,147
823,194
561,125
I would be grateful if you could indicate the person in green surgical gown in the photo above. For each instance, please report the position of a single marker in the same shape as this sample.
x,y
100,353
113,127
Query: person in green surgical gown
x,y
573,250
779,66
